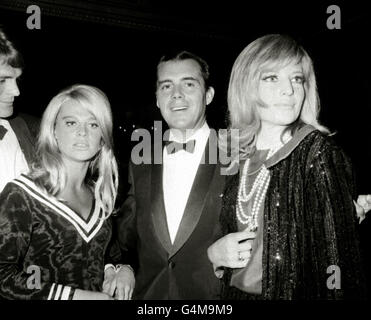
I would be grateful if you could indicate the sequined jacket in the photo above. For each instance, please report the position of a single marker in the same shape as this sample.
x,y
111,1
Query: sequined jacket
x,y
309,224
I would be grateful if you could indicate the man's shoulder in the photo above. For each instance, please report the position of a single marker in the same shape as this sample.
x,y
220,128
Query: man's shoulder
x,y
30,120
145,154
23,120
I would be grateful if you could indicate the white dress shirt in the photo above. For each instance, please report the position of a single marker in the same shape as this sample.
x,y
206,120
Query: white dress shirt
x,y
179,171
12,160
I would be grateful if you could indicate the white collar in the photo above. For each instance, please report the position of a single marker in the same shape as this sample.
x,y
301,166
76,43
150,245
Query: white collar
x,y
5,123
86,229
200,134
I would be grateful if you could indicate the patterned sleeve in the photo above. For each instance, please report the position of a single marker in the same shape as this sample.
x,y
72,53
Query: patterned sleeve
x,y
331,220
18,281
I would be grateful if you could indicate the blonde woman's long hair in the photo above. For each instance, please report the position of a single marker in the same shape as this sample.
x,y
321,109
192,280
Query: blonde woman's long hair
x,y
276,51
50,174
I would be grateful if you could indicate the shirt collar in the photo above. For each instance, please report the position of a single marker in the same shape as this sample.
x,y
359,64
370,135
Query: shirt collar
x,y
5,123
200,134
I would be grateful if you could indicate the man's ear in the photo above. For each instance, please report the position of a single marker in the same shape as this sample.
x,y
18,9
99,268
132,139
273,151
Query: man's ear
x,y
209,95
157,104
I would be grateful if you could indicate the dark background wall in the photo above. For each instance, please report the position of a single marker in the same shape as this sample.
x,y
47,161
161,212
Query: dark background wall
x,y
115,45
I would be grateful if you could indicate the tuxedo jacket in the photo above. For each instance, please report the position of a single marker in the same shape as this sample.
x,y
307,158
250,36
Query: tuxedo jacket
x,y
26,129
166,270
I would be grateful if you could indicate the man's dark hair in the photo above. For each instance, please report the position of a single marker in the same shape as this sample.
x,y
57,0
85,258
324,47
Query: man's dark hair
x,y
8,53
185,55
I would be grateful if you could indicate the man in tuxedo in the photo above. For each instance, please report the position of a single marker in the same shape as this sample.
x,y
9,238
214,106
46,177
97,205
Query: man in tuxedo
x,y
16,138
171,215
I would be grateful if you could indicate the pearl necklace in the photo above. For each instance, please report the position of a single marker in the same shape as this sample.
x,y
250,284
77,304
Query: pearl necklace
x,y
260,185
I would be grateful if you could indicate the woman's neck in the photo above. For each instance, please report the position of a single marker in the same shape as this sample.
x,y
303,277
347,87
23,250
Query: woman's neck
x,y
270,137
76,173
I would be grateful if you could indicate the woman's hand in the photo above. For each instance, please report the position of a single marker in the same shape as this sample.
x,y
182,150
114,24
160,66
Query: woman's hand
x,y
232,251
119,284
125,283
109,283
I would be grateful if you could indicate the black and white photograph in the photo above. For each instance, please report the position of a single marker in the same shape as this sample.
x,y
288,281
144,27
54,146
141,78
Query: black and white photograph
x,y
204,151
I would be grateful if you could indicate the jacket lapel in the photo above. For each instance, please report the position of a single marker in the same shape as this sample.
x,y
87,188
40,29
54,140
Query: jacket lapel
x,y
196,202
158,207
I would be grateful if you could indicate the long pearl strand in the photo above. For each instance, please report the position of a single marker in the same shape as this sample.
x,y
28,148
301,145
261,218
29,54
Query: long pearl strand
x,y
260,185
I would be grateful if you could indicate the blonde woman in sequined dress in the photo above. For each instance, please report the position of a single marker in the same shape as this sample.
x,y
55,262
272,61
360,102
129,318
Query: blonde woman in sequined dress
x,y
288,218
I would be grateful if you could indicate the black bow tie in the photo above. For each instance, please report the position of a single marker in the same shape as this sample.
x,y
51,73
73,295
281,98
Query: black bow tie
x,y
173,146
3,131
